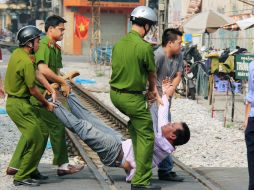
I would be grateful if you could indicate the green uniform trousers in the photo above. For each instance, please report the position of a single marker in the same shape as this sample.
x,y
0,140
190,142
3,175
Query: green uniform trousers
x,y
25,117
141,132
51,127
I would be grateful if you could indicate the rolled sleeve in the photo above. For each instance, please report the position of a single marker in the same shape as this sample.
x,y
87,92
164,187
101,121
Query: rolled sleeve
x,y
250,97
42,55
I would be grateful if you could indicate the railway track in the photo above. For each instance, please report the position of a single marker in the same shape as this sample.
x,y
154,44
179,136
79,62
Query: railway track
x,y
110,118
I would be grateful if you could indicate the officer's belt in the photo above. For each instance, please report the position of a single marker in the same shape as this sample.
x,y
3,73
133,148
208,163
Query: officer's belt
x,y
126,91
11,96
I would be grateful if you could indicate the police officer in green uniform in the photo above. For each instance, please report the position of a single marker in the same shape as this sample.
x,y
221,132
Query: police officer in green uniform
x,y
20,85
132,67
49,61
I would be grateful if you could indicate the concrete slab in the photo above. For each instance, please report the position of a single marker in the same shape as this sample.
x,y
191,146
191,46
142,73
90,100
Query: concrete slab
x,y
118,176
227,178
79,181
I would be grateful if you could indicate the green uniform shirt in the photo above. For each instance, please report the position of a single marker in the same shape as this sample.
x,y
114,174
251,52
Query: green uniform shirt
x,y
20,74
132,60
50,54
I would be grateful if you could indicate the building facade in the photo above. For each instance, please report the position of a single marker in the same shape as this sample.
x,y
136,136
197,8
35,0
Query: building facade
x,y
237,10
114,19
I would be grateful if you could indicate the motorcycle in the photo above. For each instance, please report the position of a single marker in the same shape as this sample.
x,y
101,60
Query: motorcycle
x,y
188,87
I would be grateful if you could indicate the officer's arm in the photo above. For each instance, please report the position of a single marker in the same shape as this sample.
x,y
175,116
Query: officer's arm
x,y
152,78
151,68
149,62
34,91
41,78
50,75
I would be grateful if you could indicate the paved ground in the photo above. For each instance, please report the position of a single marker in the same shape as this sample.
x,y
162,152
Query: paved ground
x,y
79,181
86,180
190,183
226,178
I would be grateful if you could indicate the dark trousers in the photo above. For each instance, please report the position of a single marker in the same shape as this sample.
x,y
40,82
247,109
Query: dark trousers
x,y
249,138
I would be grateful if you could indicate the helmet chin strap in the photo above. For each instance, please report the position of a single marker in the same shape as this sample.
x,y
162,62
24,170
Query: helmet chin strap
x,y
146,30
30,45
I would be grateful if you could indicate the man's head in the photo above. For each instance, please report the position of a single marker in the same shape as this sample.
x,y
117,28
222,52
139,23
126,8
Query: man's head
x,y
143,18
54,27
29,37
171,41
176,133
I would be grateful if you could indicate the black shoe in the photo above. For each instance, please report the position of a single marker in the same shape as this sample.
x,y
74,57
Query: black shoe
x,y
172,176
27,182
39,176
141,187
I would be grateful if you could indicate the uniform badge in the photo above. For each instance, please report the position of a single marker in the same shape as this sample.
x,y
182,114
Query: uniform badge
x,y
50,45
32,57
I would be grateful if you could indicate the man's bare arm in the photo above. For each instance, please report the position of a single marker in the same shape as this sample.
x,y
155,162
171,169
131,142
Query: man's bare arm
x,y
175,83
177,79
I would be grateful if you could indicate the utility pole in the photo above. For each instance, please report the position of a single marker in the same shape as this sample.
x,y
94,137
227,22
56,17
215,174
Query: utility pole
x,y
162,15
96,27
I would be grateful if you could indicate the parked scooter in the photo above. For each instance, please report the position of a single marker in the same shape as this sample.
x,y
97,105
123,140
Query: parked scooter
x,y
191,58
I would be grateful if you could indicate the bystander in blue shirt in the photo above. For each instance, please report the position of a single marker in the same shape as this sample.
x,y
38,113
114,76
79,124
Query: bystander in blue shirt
x,y
249,124
250,94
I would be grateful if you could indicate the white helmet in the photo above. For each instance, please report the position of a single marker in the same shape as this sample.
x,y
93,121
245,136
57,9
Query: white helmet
x,y
143,15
